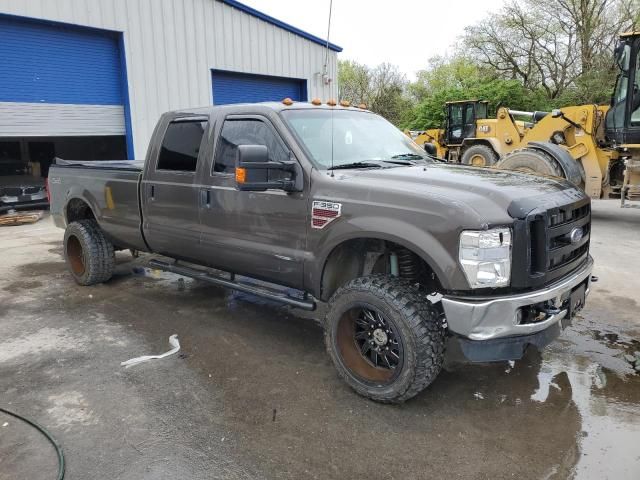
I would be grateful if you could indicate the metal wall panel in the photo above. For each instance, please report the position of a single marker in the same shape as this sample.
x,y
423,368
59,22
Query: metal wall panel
x,y
59,120
171,46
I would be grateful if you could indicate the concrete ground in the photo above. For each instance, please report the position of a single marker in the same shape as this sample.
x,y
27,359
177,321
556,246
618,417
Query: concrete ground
x,y
253,395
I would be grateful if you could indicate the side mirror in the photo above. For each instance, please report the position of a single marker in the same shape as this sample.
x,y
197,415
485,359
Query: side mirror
x,y
253,167
556,113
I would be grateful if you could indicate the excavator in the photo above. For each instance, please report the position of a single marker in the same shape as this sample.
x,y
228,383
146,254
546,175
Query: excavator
x,y
594,146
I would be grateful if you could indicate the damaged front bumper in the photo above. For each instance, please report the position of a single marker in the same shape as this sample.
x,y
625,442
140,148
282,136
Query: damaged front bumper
x,y
501,328
21,197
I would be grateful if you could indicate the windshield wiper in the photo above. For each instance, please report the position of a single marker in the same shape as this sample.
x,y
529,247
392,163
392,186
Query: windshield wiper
x,y
408,156
355,165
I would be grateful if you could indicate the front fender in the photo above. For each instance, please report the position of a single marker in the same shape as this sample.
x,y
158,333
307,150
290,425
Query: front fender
x,y
570,167
424,244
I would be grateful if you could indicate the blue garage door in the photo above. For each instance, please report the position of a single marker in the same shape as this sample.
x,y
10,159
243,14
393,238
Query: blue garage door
x,y
234,87
58,79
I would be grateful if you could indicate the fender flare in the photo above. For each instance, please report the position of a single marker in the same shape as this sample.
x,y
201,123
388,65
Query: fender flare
x,y
568,164
437,258
78,193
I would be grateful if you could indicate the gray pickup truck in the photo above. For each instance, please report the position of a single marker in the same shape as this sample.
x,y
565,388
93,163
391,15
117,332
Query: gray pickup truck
x,y
320,205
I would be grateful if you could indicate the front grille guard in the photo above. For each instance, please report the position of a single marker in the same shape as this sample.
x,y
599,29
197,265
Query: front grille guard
x,y
543,251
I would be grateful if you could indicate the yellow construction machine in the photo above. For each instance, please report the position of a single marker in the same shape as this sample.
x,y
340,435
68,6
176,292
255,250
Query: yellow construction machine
x,y
596,147
468,129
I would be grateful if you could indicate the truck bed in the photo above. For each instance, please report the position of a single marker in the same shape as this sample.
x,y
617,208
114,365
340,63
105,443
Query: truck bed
x,y
111,187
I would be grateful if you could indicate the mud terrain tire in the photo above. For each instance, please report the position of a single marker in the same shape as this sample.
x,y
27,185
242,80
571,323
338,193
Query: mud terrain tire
x,y
88,253
531,160
415,329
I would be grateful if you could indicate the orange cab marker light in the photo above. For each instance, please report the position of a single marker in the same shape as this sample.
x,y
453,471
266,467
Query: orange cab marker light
x,y
287,101
331,103
363,106
316,101
241,175
345,103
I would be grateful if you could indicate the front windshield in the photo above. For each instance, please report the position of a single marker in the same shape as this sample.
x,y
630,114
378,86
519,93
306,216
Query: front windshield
x,y
350,136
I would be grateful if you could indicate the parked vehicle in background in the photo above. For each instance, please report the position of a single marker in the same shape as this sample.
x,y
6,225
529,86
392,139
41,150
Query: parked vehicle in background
x,y
595,147
22,193
332,205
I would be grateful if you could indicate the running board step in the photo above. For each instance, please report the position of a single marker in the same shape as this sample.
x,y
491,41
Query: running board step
x,y
232,284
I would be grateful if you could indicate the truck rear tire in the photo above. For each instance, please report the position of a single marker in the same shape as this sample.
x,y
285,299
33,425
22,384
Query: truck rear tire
x,y
386,340
479,156
531,160
89,255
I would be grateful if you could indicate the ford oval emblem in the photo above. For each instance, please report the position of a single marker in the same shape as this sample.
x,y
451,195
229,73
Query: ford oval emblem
x,y
575,235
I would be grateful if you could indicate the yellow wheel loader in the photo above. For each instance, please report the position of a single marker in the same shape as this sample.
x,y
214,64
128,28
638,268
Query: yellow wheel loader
x,y
471,138
596,147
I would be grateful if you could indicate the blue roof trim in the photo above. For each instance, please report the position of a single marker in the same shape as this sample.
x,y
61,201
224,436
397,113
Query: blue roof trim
x,y
281,24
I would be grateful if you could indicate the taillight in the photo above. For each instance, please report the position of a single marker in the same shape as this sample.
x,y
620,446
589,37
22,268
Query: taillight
x,y
46,187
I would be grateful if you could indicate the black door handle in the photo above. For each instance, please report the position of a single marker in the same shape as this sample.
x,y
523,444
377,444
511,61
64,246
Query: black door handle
x,y
153,192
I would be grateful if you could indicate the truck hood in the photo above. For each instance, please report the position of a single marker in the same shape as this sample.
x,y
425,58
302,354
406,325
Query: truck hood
x,y
491,193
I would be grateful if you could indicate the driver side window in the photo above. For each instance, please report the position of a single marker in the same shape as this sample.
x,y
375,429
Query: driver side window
x,y
237,132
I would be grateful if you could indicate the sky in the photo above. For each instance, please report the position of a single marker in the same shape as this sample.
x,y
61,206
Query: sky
x,y
403,32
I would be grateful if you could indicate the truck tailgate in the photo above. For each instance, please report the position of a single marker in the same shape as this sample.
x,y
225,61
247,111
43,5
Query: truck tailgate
x,y
110,188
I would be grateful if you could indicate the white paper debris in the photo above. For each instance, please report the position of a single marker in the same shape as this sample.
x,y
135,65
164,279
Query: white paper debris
x,y
5,424
173,341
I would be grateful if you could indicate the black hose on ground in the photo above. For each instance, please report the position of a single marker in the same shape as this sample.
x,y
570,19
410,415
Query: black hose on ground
x,y
42,430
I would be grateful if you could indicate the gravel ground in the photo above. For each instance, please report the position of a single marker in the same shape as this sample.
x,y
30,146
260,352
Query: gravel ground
x,y
253,395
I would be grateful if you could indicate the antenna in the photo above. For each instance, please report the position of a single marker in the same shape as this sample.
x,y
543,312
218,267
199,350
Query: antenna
x,y
332,133
325,75
325,69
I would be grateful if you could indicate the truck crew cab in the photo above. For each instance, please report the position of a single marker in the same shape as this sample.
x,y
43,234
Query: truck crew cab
x,y
333,205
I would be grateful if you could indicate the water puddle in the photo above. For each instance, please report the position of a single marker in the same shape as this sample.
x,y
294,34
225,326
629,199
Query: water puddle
x,y
587,366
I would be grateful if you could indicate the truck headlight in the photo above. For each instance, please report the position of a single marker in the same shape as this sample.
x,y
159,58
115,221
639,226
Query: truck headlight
x,y
485,256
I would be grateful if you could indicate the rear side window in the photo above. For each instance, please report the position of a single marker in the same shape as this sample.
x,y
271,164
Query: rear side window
x,y
245,132
181,145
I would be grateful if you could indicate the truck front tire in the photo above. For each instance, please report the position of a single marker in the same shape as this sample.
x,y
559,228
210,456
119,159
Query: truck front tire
x,y
386,340
89,255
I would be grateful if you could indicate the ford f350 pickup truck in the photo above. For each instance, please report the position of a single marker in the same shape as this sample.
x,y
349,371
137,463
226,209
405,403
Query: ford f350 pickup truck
x,y
333,206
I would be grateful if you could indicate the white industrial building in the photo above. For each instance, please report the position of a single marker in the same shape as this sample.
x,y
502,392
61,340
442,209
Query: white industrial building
x,y
89,78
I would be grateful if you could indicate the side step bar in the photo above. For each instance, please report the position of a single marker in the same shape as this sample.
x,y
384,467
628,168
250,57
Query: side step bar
x,y
232,284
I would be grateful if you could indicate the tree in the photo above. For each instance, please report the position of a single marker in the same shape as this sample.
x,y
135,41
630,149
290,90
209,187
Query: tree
x,y
354,81
381,88
459,78
525,44
563,47
596,23
531,55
